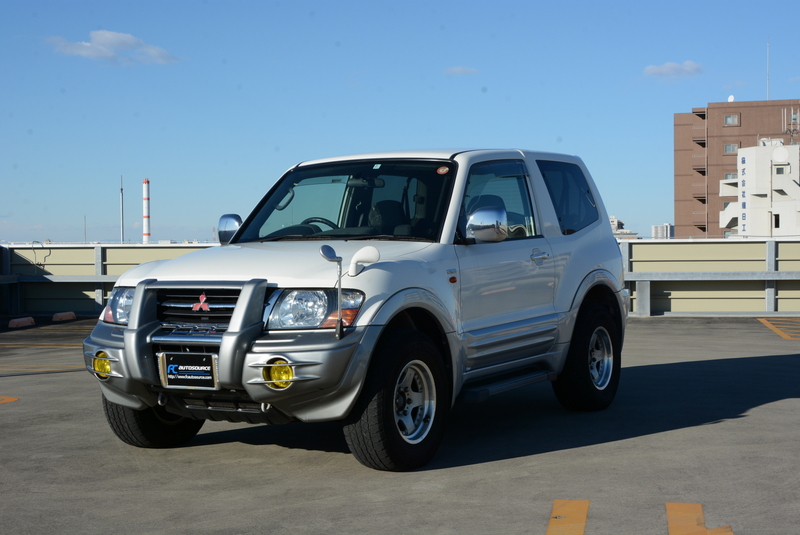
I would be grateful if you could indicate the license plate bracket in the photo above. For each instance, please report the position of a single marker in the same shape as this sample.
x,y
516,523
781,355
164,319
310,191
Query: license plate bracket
x,y
188,371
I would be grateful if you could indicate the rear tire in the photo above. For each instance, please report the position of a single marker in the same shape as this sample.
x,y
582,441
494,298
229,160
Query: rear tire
x,y
152,427
590,377
398,423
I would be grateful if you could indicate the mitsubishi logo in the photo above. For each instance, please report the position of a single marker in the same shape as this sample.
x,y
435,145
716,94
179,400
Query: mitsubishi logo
x,y
202,305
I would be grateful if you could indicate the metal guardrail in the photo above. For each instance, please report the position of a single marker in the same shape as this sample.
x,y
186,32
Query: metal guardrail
x,y
28,274
643,282
45,278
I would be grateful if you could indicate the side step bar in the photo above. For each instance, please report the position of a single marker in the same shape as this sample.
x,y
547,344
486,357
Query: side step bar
x,y
483,390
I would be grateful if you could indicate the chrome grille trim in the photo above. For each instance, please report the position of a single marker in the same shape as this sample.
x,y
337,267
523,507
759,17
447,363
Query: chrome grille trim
x,y
192,306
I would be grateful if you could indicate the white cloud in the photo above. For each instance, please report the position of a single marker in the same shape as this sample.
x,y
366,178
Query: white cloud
x,y
114,47
672,70
460,71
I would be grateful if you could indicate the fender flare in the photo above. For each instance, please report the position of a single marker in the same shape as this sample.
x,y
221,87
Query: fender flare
x,y
599,277
426,300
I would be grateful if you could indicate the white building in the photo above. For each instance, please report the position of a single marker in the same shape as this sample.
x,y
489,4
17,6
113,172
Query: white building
x,y
660,232
620,232
768,191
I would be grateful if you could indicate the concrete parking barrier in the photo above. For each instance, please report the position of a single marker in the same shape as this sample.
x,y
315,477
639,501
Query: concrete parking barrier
x,y
21,322
64,316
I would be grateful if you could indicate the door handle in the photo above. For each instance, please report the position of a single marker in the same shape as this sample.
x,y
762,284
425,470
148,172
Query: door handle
x,y
539,256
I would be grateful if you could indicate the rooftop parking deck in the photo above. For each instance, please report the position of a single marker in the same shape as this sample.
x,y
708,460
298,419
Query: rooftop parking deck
x,y
706,415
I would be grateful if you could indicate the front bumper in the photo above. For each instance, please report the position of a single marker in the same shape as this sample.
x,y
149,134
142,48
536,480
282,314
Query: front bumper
x,y
328,372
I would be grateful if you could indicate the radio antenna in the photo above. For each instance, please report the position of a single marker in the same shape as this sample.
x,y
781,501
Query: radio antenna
x,y
767,68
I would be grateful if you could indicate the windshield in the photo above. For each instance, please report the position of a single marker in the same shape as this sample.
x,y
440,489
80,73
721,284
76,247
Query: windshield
x,y
374,199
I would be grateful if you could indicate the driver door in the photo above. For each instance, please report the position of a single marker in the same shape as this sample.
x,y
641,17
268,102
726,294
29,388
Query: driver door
x,y
507,309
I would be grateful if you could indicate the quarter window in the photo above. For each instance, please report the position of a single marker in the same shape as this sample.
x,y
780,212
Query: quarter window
x,y
573,200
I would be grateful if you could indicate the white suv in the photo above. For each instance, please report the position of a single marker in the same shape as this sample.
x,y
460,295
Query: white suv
x,y
376,290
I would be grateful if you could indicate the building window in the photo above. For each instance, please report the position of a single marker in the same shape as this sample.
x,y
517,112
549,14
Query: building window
x,y
731,120
733,148
777,220
731,176
780,169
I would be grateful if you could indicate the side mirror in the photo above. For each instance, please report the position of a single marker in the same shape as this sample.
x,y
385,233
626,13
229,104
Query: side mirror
x,y
488,224
228,225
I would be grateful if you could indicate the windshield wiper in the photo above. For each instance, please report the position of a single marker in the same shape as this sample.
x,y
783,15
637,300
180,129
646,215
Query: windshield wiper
x,y
294,237
390,237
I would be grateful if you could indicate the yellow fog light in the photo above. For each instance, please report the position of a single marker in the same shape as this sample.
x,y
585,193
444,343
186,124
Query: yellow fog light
x,y
280,373
101,365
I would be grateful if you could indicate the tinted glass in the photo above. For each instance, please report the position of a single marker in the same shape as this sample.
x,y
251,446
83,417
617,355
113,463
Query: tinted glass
x,y
573,200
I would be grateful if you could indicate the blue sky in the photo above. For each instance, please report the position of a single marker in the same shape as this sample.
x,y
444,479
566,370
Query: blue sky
x,y
213,100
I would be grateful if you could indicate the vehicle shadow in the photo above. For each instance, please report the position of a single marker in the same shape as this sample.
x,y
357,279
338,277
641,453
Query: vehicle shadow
x,y
651,399
529,421
325,436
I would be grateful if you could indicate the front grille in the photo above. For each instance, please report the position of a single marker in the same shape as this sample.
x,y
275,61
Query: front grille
x,y
213,306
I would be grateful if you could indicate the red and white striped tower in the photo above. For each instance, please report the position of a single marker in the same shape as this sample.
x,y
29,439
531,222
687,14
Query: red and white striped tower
x,y
146,211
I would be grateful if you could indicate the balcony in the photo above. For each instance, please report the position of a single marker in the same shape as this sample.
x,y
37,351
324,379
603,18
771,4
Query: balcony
x,y
700,218
699,163
729,188
699,192
699,135
729,217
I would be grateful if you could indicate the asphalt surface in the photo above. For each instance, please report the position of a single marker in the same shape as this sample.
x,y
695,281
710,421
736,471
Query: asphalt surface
x,y
706,414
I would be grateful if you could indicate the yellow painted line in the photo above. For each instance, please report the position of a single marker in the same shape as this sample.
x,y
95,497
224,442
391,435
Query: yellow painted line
x,y
7,399
688,519
568,517
788,329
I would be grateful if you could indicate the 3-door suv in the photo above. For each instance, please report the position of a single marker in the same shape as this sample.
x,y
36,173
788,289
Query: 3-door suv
x,y
376,290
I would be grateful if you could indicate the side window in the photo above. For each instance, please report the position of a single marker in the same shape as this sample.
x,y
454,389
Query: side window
x,y
573,200
501,183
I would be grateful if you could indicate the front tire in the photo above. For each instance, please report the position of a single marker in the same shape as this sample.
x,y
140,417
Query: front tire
x,y
590,377
398,423
152,427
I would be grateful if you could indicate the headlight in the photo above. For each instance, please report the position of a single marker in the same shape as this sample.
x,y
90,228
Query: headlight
x,y
312,309
119,306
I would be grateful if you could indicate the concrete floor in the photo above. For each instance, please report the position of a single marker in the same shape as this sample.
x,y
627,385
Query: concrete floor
x,y
707,413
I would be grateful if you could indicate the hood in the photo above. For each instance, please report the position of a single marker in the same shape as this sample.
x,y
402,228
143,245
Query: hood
x,y
285,264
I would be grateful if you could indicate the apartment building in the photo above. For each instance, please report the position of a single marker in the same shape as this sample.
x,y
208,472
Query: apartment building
x,y
707,142
767,192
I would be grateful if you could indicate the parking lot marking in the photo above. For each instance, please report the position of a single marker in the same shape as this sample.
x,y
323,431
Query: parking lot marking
x,y
786,328
568,517
7,399
688,519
